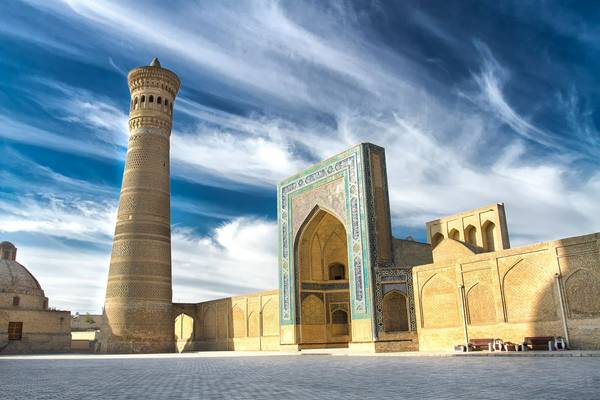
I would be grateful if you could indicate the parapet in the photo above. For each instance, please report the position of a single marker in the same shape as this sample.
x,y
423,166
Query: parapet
x,y
485,228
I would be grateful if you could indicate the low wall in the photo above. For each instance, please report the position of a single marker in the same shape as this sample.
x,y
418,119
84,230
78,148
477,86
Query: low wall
x,y
43,331
240,323
511,294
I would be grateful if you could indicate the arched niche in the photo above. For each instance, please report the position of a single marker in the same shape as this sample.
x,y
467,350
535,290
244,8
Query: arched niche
x,y
436,239
454,234
337,271
395,312
439,303
471,235
239,322
489,236
322,259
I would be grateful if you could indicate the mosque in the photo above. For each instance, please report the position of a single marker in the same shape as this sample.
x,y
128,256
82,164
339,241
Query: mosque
x,y
344,280
26,323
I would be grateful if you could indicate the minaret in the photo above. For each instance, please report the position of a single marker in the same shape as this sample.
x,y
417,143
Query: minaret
x,y
138,307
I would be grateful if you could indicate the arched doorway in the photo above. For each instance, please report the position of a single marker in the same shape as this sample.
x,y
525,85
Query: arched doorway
x,y
322,282
184,332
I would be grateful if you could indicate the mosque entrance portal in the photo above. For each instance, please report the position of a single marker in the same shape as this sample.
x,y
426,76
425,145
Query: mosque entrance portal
x,y
322,279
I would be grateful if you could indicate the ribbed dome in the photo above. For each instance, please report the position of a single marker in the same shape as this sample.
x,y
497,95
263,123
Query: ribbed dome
x,y
14,277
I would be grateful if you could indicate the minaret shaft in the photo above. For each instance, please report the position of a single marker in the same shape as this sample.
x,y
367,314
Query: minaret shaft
x,y
138,306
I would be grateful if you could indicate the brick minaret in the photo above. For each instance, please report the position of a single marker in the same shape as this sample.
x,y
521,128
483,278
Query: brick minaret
x,y
138,307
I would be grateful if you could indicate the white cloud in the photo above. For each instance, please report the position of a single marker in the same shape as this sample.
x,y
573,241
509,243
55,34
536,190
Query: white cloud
x,y
245,158
72,277
239,257
67,217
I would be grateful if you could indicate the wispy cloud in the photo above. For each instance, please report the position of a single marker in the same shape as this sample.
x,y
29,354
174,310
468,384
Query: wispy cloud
x,y
17,131
271,87
490,80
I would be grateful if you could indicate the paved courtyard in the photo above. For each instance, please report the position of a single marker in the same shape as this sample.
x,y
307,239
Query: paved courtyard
x,y
303,376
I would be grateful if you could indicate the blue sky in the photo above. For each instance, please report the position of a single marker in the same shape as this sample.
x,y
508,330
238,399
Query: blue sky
x,y
475,103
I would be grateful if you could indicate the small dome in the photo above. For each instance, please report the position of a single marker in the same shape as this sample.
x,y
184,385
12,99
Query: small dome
x,y
8,251
155,62
14,277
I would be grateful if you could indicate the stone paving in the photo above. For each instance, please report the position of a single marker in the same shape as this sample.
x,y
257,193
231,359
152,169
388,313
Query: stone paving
x,y
301,376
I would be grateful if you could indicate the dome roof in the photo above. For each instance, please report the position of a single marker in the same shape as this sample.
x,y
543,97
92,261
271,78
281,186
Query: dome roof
x,y
14,277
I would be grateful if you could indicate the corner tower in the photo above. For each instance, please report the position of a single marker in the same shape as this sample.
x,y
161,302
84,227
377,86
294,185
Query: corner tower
x,y
138,304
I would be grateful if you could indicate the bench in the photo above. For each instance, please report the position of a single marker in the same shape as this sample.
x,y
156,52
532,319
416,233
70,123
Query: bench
x,y
539,343
481,344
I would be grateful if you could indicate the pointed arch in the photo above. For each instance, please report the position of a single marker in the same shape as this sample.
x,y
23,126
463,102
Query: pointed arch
x,y
339,316
439,302
317,212
436,239
239,322
313,254
321,242
313,312
480,304
253,325
270,318
528,293
489,235
336,271
581,291
471,235
395,312
454,234
184,332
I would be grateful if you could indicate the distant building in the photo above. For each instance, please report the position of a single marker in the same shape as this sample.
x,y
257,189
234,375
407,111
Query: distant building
x,y
85,329
26,323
